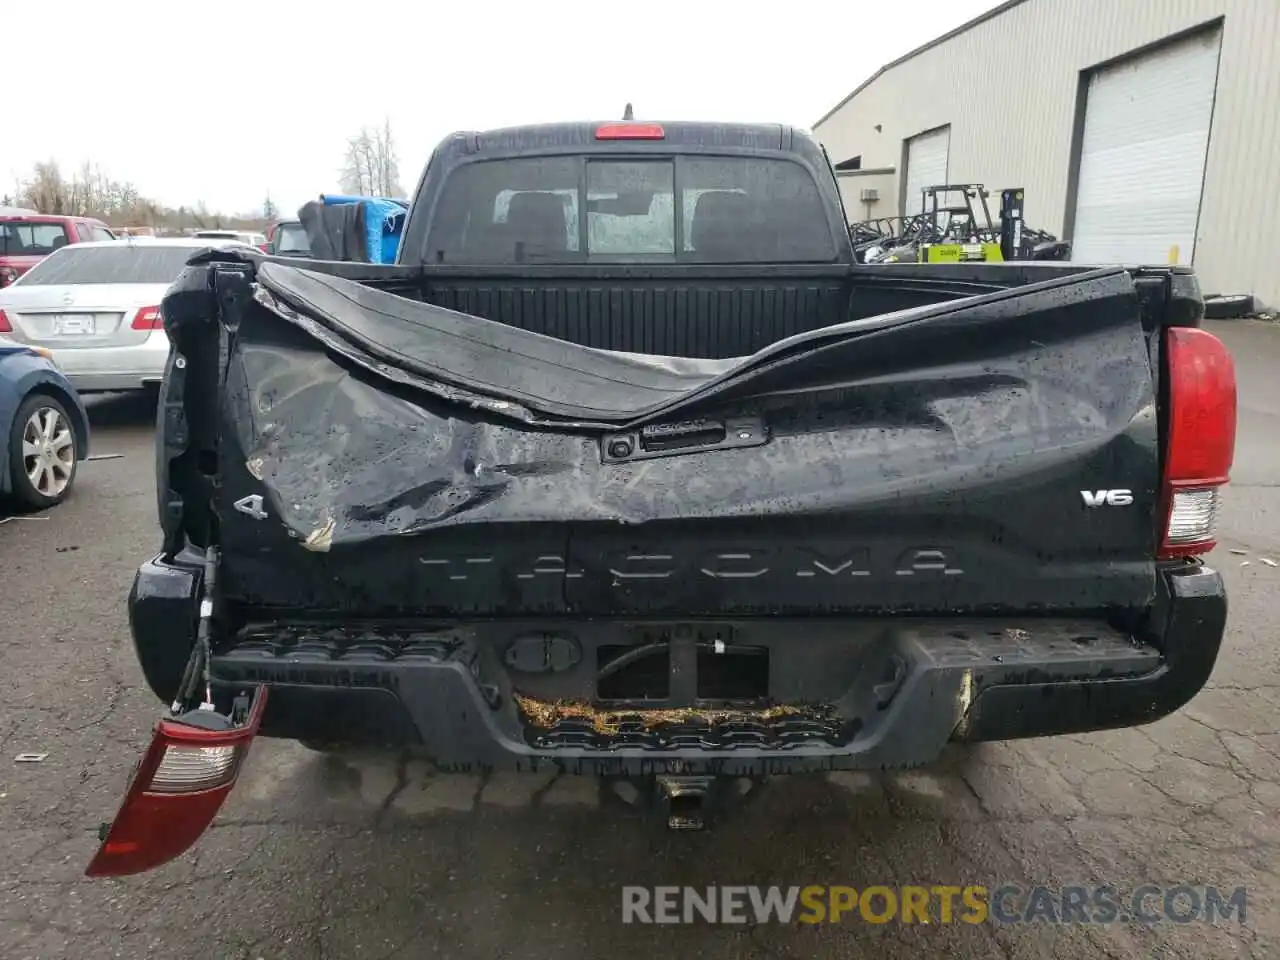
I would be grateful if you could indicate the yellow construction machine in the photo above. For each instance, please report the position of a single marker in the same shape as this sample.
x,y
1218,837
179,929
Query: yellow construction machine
x,y
954,225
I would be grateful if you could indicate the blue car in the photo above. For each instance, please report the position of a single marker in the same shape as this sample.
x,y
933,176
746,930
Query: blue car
x,y
44,428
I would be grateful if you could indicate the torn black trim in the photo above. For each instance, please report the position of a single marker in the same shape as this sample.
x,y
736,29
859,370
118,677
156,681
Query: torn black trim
x,y
551,381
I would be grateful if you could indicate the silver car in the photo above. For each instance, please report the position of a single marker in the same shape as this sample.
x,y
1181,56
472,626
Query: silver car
x,y
247,237
97,307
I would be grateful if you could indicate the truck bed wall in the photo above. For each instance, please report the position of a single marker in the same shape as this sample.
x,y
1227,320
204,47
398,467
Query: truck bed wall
x,y
717,312
694,314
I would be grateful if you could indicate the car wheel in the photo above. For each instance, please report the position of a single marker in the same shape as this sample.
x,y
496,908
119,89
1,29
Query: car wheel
x,y
42,452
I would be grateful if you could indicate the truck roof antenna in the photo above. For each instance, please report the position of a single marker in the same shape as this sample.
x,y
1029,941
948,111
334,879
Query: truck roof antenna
x,y
628,113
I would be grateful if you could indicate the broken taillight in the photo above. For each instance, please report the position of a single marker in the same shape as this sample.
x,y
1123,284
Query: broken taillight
x,y
1201,439
178,788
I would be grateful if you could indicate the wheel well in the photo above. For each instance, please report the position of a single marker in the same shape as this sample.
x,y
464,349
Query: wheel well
x,y
78,423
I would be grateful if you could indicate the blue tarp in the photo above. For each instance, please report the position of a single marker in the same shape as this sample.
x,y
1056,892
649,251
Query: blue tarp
x,y
383,220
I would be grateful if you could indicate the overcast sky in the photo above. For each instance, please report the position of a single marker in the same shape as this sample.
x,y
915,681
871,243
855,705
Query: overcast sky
x,y
227,102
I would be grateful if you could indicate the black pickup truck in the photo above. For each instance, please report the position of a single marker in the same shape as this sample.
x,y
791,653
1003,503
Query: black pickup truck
x,y
628,469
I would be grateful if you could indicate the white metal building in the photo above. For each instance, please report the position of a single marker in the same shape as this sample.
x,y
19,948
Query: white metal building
x,y
1144,131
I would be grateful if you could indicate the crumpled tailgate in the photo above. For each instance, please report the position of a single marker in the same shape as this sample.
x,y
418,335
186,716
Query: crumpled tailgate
x,y
376,460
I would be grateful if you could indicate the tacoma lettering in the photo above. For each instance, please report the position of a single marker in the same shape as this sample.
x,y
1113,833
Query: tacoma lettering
x,y
853,565
740,563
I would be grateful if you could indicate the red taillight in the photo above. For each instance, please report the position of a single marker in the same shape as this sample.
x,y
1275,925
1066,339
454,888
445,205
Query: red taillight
x,y
630,131
148,318
1201,439
5,325
263,247
177,790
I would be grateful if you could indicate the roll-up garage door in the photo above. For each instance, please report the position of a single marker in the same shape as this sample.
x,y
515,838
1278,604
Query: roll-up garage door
x,y
926,166
1146,132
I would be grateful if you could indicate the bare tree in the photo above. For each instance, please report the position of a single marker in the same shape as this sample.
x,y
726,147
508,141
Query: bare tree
x,y
357,165
371,167
91,192
388,163
17,196
46,191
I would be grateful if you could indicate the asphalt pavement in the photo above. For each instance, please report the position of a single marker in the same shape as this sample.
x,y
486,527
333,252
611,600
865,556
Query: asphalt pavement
x,y
340,858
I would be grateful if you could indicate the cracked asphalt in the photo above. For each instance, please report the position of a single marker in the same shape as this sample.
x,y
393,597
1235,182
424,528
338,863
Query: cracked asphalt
x,y
330,858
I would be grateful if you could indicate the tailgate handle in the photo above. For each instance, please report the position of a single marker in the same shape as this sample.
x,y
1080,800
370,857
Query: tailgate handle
x,y
691,433
689,436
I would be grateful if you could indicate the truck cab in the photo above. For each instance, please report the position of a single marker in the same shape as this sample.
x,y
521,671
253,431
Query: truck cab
x,y
27,237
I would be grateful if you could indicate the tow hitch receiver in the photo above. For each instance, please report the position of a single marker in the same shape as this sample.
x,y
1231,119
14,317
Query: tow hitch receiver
x,y
686,801
178,788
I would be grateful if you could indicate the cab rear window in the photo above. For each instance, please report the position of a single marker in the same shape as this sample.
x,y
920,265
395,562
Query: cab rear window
x,y
686,209
291,238
31,238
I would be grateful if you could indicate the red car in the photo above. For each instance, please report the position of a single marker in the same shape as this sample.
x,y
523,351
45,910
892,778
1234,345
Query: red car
x,y
26,238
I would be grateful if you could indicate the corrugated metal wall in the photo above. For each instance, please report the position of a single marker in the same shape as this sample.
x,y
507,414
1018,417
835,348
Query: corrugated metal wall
x,y
1009,89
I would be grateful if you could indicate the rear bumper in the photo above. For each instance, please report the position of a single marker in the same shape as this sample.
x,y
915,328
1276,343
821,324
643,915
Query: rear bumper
x,y
101,369
961,680
114,383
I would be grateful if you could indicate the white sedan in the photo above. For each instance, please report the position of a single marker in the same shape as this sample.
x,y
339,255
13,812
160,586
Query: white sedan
x,y
247,237
97,305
